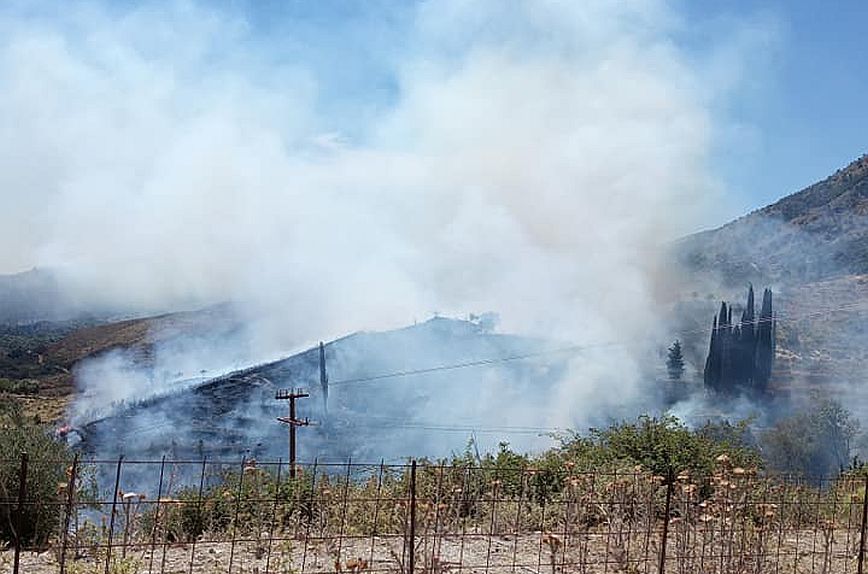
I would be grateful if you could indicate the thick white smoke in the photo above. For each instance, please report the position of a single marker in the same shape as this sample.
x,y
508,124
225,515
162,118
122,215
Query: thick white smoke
x,y
528,160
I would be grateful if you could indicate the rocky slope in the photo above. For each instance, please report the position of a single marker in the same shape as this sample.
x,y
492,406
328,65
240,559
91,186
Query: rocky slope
x,y
817,233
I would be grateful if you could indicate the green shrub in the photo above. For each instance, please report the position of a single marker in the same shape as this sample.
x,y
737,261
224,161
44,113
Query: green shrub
x,y
660,445
229,502
46,479
816,442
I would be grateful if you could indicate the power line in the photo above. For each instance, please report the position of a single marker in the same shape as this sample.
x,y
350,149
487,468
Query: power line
x,y
473,429
386,422
570,349
476,363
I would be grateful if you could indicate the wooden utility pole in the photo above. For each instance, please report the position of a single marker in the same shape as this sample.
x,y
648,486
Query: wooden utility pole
x,y
291,395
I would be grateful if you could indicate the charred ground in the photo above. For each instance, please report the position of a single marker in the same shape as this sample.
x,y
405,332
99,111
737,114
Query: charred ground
x,y
235,414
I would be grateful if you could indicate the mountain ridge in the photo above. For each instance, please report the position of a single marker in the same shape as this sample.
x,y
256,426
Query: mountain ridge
x,y
816,233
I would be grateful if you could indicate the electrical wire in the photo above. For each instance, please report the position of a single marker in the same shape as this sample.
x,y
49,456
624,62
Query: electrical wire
x,y
573,349
476,363
473,429
463,426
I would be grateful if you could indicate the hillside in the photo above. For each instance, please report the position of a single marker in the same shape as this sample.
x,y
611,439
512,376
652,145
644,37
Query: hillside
x,y
31,296
236,414
37,360
818,233
811,247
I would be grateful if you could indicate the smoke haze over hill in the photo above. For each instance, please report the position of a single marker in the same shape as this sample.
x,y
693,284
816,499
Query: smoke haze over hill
x,y
526,160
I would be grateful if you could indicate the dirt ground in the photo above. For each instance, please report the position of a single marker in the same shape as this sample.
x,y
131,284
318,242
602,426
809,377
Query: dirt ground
x,y
476,554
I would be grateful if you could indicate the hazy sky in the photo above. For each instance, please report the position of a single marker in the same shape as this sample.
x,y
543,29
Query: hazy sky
x,y
796,111
804,108
793,72
799,78
450,154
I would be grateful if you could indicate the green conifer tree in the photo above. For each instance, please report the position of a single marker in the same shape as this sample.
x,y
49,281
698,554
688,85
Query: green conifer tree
x,y
675,361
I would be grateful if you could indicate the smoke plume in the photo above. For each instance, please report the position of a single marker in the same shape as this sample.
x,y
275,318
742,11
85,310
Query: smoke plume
x,y
524,158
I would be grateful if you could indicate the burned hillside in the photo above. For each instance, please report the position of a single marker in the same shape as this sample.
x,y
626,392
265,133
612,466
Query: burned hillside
x,y
369,416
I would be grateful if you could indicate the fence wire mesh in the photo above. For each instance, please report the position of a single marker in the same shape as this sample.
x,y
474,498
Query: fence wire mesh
x,y
247,516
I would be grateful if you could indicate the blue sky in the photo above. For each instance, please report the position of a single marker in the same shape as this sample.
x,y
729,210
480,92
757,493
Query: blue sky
x,y
807,101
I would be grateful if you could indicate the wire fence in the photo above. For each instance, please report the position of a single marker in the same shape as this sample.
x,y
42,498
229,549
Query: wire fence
x,y
246,516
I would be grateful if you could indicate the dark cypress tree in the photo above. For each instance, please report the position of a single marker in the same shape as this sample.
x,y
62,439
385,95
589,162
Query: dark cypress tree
x,y
765,344
711,374
738,367
743,346
750,310
740,356
725,334
748,340
717,366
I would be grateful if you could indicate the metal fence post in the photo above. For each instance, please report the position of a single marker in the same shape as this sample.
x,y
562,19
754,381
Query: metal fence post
x,y
864,524
669,487
411,558
70,503
108,551
22,494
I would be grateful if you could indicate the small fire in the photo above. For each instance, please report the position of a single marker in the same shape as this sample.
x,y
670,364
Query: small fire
x,y
68,433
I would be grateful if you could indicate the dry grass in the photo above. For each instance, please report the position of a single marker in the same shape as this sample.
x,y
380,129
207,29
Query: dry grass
x,y
46,409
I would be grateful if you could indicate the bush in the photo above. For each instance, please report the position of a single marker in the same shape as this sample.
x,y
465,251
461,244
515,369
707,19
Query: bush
x,y
46,479
229,502
658,446
814,443
661,445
